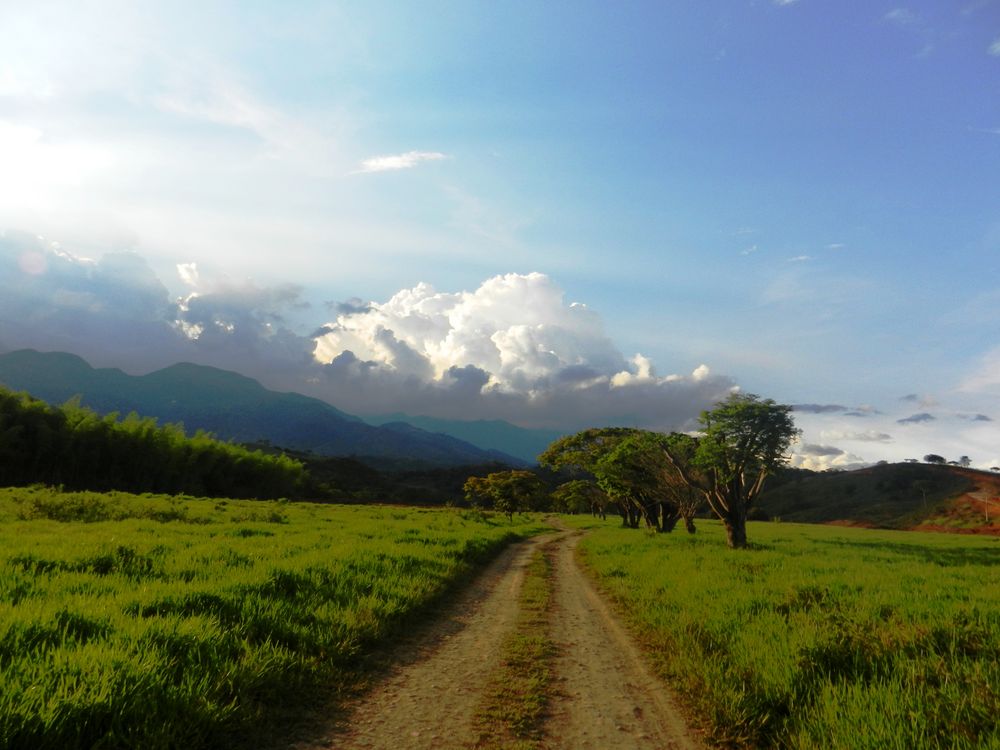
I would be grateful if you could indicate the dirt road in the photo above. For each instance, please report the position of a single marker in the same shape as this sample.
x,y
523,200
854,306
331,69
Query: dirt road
x,y
603,695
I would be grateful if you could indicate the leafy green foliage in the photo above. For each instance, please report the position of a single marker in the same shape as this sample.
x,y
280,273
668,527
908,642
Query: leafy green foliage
x,y
743,440
162,622
637,472
579,496
508,492
632,469
582,450
74,447
817,636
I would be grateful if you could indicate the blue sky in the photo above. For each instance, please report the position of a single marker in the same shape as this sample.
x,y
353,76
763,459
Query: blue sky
x,y
800,195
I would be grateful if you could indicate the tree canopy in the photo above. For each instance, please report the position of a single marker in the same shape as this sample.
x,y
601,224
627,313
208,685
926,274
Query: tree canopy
x,y
742,441
507,491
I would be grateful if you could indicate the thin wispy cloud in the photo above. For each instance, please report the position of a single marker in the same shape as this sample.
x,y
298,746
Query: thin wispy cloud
x,y
865,436
394,162
819,408
785,2
800,258
916,398
995,48
836,246
901,17
749,251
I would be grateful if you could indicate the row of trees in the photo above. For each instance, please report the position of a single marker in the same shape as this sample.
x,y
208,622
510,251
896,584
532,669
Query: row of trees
x,y
933,458
655,478
75,447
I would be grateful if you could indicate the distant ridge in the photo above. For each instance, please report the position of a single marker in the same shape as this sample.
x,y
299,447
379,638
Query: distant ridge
x,y
922,497
494,434
233,407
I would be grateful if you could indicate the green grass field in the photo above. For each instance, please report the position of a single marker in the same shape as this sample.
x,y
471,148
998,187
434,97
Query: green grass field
x,y
817,637
157,622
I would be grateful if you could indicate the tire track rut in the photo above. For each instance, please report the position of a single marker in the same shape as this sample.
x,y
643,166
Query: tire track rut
x,y
604,696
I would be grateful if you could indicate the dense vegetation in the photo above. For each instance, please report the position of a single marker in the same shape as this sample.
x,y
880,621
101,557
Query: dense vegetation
x,y
74,447
818,636
158,622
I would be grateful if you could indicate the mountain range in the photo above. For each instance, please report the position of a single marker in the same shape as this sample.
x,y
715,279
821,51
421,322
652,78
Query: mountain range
x,y
488,434
235,407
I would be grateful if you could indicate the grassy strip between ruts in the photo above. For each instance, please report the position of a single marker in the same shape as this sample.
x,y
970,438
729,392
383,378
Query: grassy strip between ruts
x,y
816,636
159,622
513,708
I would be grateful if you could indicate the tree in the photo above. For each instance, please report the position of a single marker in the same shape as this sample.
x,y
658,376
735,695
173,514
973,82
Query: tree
x,y
934,458
743,440
579,454
689,500
580,496
582,450
507,491
637,472
965,462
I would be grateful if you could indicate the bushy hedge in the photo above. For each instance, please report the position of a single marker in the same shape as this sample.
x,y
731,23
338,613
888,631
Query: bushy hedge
x,y
75,447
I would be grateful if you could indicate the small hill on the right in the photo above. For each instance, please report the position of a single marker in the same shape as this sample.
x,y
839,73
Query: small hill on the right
x,y
923,497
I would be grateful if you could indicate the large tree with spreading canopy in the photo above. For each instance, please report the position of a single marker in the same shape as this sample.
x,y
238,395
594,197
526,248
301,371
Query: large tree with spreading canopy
x,y
743,440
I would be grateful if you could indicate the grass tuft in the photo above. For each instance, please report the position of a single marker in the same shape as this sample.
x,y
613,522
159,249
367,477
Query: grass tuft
x,y
514,705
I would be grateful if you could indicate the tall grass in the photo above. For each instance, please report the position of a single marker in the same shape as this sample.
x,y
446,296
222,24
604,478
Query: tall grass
x,y
157,622
818,636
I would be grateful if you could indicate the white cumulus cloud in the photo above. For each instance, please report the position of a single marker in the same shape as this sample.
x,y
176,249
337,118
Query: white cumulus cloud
x,y
513,347
398,161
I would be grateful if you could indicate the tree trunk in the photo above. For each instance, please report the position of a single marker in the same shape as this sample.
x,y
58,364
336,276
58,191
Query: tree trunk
x,y
736,530
650,515
670,516
689,524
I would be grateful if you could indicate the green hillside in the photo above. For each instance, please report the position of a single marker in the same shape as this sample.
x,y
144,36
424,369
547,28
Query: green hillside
x,y
896,496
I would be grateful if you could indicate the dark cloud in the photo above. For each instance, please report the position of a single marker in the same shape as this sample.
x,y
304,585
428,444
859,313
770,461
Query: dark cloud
x,y
350,307
812,449
917,418
576,374
976,417
51,300
468,379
